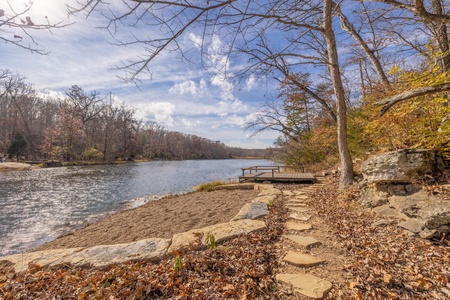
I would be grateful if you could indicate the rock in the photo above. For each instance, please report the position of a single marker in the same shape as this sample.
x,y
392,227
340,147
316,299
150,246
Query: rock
x,y
264,199
443,229
43,258
98,256
296,204
261,187
299,217
411,204
382,222
300,193
270,192
297,226
413,225
103,255
305,241
400,166
428,233
297,201
252,211
301,259
240,186
306,284
372,195
435,213
387,212
191,239
196,237
299,209
288,193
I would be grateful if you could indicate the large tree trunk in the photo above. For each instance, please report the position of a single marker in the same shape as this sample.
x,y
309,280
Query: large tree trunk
x,y
333,67
441,35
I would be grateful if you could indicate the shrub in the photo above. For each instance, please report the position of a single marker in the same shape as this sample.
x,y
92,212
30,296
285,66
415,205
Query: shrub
x,y
208,187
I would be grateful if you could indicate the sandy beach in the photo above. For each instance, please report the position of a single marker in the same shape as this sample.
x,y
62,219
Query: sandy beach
x,y
13,166
161,218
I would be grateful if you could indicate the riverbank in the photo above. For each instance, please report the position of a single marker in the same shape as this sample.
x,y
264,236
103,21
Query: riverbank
x,y
15,166
161,218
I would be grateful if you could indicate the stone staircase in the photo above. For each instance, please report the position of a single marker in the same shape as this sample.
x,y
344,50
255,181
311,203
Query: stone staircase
x,y
301,246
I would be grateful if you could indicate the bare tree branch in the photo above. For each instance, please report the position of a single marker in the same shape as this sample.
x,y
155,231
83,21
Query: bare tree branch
x,y
422,91
19,20
418,9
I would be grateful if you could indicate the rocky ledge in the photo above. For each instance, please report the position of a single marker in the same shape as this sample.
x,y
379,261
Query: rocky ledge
x,y
390,187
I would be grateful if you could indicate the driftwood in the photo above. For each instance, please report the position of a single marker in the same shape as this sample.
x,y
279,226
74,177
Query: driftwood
x,y
422,91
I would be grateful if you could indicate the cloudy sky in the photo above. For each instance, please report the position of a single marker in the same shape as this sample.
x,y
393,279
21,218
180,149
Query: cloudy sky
x,y
183,96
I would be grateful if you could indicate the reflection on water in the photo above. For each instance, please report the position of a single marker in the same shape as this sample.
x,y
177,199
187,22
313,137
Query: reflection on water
x,y
38,205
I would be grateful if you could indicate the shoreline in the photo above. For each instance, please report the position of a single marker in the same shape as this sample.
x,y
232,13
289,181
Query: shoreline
x,y
7,166
160,218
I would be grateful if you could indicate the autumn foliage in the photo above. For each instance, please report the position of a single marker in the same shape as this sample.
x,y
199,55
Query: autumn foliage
x,y
419,122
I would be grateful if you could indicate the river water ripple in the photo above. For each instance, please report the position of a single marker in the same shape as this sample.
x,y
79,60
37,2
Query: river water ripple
x,y
38,205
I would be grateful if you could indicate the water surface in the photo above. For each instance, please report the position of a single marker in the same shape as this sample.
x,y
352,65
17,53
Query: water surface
x,y
36,206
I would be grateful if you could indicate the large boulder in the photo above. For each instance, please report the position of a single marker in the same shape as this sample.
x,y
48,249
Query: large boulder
x,y
394,173
400,166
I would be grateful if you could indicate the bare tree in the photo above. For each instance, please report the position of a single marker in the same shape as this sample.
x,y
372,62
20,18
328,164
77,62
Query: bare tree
x,y
23,101
17,25
243,25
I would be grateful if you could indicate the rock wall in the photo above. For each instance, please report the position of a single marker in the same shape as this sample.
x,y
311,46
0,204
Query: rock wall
x,y
389,187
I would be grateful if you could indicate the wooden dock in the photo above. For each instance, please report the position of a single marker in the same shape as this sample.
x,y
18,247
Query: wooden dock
x,y
276,174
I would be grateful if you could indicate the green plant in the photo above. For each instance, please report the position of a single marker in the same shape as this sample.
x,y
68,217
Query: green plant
x,y
211,241
208,187
270,203
177,263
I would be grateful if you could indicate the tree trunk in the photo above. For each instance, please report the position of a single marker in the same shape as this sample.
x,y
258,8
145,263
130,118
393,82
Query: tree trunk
x,y
333,67
441,35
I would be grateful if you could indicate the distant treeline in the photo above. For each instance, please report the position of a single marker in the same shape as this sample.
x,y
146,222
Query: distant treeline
x,y
86,126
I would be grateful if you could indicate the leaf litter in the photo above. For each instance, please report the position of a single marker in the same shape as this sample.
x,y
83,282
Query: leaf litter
x,y
384,262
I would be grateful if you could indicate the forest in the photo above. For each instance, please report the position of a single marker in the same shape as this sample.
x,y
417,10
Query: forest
x,y
354,78
86,126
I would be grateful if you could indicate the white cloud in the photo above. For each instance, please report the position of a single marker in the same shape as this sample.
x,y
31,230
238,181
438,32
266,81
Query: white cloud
x,y
187,123
241,121
196,40
190,87
218,59
162,112
226,87
250,83
180,96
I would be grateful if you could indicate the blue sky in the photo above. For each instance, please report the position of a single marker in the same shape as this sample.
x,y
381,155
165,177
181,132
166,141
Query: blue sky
x,y
181,96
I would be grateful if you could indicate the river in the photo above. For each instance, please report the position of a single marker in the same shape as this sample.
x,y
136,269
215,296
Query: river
x,y
38,205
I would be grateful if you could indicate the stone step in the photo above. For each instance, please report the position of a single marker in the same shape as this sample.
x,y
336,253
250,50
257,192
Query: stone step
x,y
302,197
301,259
306,284
299,200
297,226
300,217
305,241
295,204
299,192
299,209
288,193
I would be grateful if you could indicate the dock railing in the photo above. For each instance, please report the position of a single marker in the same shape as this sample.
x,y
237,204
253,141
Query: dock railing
x,y
273,169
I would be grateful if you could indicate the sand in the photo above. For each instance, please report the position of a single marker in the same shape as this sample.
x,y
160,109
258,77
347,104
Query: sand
x,y
161,218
